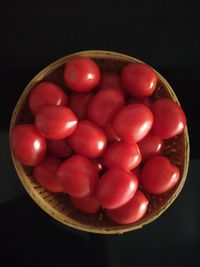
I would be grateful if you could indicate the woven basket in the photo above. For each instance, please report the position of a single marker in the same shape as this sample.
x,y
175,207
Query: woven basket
x,y
58,205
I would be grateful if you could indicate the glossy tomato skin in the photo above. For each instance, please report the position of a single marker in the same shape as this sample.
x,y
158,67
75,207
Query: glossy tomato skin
x,y
132,211
133,122
139,79
122,154
150,146
55,122
104,105
78,102
58,148
27,145
81,74
88,139
169,118
88,204
77,176
46,93
111,134
116,187
159,175
45,174
97,163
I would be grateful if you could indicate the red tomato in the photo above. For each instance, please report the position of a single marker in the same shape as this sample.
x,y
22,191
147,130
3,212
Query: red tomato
x,y
123,155
59,148
87,204
139,79
77,176
27,145
159,175
169,118
150,146
116,187
55,122
46,93
104,105
97,164
111,134
132,211
81,74
88,140
137,171
45,174
145,101
133,122
78,102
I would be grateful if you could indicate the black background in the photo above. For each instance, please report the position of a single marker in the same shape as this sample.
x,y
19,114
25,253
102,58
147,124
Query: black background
x,y
164,34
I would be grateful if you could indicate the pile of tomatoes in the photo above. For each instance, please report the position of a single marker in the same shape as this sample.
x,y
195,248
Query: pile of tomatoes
x,y
100,141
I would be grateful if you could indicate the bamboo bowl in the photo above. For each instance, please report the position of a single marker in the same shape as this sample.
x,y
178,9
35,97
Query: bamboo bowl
x,y
58,205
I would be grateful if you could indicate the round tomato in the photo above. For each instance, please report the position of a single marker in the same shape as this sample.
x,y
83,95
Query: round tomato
x,y
88,139
27,145
46,93
132,211
111,134
133,122
104,105
159,175
169,118
59,148
55,122
150,146
45,174
87,204
78,102
77,176
116,187
123,155
139,79
81,74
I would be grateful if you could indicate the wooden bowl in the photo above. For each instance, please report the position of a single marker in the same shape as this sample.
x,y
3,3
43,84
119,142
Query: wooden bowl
x,y
58,205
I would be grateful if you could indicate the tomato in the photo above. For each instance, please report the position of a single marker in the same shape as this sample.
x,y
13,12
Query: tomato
x,y
137,171
111,134
88,140
77,176
145,101
87,204
81,74
123,155
150,146
55,122
78,102
104,105
27,145
169,118
59,148
139,79
133,122
45,174
132,211
97,164
46,93
116,187
159,175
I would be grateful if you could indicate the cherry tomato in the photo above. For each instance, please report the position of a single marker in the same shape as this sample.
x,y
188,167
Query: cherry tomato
x,y
133,122
55,122
116,187
132,211
104,105
139,79
123,155
59,148
27,145
87,204
78,102
169,118
145,101
45,174
46,93
77,176
88,140
111,134
150,146
97,164
159,175
81,74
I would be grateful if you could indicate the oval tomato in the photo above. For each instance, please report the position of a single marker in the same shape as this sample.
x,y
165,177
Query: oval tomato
x,y
58,148
88,204
27,145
